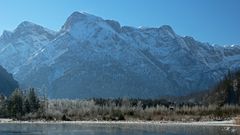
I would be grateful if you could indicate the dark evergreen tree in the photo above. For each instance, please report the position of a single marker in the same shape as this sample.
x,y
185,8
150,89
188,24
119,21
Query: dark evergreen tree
x,y
15,104
27,108
2,100
33,100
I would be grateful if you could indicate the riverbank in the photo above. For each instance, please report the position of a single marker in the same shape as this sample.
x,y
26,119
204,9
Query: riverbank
x,y
111,109
202,123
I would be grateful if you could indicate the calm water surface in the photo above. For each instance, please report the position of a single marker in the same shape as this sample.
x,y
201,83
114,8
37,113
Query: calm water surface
x,y
114,129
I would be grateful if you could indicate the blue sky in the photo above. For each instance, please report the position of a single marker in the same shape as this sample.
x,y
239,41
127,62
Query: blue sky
x,y
214,21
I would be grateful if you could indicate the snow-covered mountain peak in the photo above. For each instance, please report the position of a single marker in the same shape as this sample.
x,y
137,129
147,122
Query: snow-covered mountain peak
x,y
80,17
6,35
114,24
189,38
29,28
168,30
233,46
26,29
24,42
83,26
27,24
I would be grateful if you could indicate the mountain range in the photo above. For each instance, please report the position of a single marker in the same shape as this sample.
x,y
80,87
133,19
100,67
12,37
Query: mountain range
x,y
93,57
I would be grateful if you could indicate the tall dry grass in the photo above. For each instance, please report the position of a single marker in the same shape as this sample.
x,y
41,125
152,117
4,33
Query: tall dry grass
x,y
237,120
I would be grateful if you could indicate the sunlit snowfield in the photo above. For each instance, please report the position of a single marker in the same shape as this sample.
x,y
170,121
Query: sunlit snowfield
x,y
114,129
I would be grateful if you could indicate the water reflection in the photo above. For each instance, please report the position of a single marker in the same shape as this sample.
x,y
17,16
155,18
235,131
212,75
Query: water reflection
x,y
114,129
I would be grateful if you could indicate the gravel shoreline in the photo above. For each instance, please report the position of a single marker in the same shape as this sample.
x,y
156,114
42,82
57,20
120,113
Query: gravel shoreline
x,y
203,123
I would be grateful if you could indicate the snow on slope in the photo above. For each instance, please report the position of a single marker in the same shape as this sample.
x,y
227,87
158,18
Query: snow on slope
x,y
23,43
93,57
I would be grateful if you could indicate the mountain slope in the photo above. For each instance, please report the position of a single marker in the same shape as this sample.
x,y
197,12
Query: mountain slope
x,y
7,83
21,45
93,57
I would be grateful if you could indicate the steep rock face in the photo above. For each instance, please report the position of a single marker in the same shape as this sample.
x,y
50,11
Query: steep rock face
x,y
20,46
7,83
93,57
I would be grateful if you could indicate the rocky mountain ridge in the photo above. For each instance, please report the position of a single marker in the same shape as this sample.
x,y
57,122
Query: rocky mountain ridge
x,y
93,57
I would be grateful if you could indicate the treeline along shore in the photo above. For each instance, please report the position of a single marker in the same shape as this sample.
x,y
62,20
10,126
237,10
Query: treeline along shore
x,y
27,105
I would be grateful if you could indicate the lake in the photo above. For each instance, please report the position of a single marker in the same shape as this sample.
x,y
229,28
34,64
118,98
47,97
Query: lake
x,y
114,129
